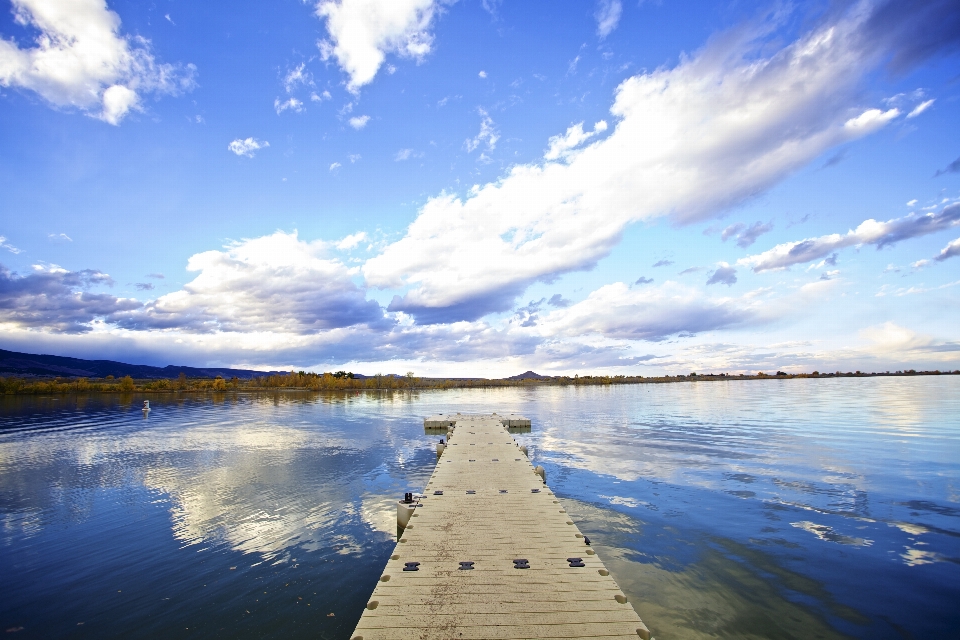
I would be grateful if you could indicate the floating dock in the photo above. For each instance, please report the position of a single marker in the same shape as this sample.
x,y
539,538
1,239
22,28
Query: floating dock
x,y
490,552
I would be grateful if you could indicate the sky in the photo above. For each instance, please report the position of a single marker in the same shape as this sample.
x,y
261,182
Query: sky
x,y
482,187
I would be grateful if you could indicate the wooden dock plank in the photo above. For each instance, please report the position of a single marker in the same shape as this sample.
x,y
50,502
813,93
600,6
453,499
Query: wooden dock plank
x,y
485,504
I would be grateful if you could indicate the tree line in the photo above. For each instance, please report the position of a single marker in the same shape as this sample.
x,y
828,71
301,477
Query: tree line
x,y
347,381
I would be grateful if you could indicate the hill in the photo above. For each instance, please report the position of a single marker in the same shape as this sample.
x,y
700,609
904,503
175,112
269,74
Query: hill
x,y
528,375
27,364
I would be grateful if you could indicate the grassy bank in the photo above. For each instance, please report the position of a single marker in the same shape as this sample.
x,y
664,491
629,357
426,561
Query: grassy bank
x,y
340,381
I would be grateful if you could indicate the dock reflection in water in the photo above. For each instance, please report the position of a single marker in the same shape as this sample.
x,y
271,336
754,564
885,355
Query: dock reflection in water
x,y
773,509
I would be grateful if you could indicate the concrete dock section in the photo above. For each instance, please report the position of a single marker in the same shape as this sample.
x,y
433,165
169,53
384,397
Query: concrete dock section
x,y
490,552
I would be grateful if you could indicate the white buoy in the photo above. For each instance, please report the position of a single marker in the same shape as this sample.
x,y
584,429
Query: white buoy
x,y
405,509
146,406
540,471
523,450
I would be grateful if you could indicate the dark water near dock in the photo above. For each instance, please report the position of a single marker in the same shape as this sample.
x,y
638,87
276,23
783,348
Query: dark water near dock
x,y
739,509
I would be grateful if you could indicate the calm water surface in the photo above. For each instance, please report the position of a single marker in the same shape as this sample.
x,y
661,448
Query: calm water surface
x,y
739,509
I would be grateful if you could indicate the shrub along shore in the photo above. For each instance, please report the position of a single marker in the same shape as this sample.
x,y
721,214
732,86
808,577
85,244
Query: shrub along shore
x,y
342,381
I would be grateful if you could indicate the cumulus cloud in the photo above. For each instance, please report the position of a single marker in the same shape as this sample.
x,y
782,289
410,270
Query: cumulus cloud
x,y
724,274
648,313
870,232
351,241
362,33
81,60
248,147
950,251
275,283
562,146
334,166
58,300
689,142
891,338
488,134
608,16
359,122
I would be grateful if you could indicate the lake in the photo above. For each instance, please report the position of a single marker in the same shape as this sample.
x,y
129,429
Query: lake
x,y
799,508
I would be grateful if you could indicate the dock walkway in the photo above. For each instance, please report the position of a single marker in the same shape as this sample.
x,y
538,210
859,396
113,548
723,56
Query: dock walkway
x,y
490,552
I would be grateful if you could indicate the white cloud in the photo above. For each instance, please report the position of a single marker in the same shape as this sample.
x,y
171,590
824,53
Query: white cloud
x,y
354,157
363,32
293,104
482,74
320,97
920,108
871,120
561,146
871,232
488,133
57,236
9,247
351,241
920,264
297,76
648,313
891,338
335,166
81,60
912,203
689,142
608,16
117,101
247,147
950,251
403,154
359,122
275,283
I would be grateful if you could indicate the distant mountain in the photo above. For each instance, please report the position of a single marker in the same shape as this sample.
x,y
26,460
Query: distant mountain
x,y
23,364
527,375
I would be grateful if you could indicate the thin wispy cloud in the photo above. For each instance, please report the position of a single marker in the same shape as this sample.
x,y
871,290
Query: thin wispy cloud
x,y
8,246
608,16
869,232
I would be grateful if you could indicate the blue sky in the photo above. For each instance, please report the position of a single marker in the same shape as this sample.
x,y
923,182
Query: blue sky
x,y
483,187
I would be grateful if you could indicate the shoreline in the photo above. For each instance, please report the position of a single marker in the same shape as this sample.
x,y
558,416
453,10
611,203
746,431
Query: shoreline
x,y
293,381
